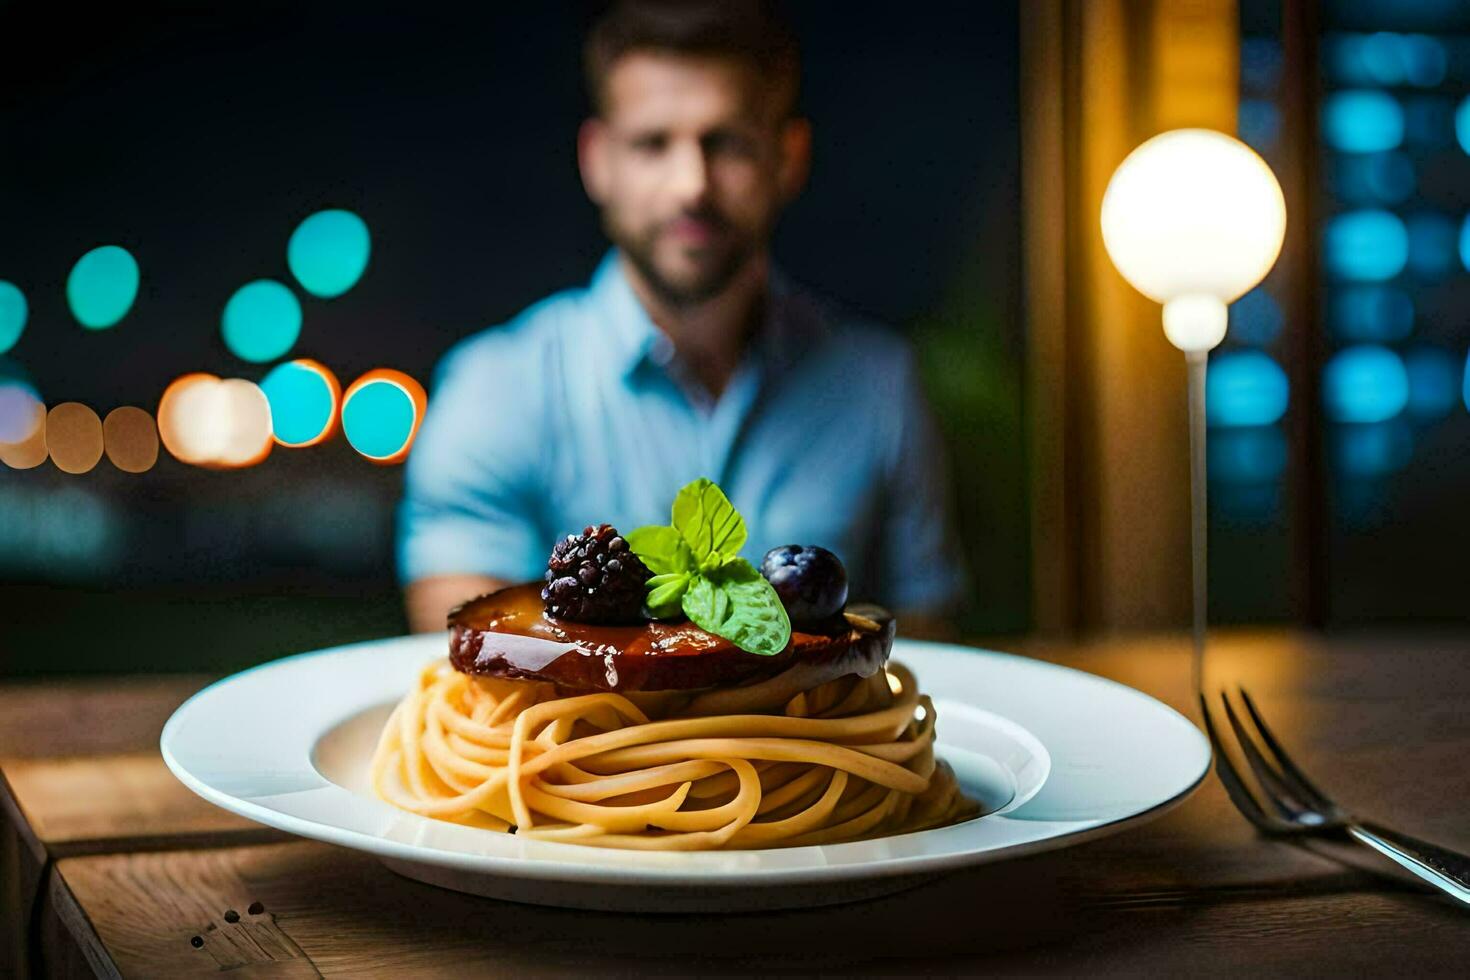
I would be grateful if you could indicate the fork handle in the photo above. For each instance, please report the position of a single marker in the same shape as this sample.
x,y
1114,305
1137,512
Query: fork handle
x,y
1447,870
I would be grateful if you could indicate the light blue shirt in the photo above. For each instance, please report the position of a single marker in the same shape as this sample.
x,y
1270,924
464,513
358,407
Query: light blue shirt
x,y
579,411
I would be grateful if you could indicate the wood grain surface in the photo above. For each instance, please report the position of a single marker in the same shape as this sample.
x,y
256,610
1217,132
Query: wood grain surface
x,y
1379,720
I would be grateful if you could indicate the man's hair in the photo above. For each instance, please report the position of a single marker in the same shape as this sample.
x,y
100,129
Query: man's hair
x,y
751,31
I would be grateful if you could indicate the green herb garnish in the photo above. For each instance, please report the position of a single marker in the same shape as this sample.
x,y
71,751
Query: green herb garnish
x,y
698,569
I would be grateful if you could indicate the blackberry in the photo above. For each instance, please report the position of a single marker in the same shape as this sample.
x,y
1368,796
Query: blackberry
x,y
594,577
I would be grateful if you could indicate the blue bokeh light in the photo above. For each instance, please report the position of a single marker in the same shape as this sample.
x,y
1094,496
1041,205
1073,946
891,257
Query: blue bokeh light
x,y
1378,314
1366,383
1429,121
1370,450
1432,244
102,287
1260,63
1465,388
1462,124
1465,242
1368,245
378,419
1368,179
1247,455
1259,124
328,252
13,314
303,402
1387,59
1256,318
1362,121
261,321
1434,380
1245,388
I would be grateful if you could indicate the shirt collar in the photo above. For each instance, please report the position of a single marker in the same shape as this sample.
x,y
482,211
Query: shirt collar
x,y
637,340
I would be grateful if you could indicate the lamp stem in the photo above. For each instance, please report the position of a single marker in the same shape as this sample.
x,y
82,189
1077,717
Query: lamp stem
x,y
1196,362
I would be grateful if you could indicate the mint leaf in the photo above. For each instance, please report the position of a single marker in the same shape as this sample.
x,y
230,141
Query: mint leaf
x,y
709,523
665,592
736,602
662,549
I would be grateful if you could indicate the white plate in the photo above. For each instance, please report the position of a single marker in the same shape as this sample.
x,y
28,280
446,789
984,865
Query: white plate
x,y
1055,755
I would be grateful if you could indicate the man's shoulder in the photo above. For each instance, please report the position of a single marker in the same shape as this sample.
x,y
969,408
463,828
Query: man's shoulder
x,y
520,343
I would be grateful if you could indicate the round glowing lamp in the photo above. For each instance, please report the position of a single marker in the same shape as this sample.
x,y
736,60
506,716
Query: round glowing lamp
x,y
1194,219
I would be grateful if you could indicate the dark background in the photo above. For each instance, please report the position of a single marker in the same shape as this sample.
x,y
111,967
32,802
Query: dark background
x,y
198,139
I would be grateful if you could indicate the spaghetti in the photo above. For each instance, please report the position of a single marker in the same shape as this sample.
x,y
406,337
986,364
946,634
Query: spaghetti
x,y
773,764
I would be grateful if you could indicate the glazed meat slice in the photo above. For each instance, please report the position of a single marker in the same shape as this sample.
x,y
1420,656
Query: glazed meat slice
x,y
507,634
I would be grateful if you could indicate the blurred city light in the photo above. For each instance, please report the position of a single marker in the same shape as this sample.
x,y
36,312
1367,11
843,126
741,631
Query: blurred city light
x,y
102,287
1366,451
1374,178
1367,245
1465,242
1258,124
381,413
1429,121
1434,377
1462,124
1371,313
130,439
1432,244
74,437
22,422
13,312
1245,388
261,321
1465,386
65,532
304,398
1260,63
19,402
1255,318
1387,59
213,423
1247,455
1366,383
1362,121
328,252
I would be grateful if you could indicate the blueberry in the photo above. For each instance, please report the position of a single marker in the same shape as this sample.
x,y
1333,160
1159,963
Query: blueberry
x,y
811,581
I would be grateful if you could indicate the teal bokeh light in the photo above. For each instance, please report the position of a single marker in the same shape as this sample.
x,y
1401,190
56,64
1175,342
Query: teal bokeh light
x,y
261,321
1365,383
378,419
328,252
102,287
1363,121
1368,245
13,313
302,403
1245,388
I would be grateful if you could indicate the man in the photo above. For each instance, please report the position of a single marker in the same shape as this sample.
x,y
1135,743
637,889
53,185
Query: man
x,y
688,355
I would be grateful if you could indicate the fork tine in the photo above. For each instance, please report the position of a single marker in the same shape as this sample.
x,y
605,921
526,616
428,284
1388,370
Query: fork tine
x,y
1305,788
1230,779
1275,788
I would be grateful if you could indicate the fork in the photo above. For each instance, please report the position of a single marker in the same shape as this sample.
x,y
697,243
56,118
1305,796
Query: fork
x,y
1294,806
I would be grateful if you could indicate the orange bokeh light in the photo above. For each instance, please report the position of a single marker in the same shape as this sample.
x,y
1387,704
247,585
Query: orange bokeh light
x,y
409,387
74,437
335,387
214,423
31,451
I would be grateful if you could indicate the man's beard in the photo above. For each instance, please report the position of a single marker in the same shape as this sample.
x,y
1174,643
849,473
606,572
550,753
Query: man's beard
x,y
705,286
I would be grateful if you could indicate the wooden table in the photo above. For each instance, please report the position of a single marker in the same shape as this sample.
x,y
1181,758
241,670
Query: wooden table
x,y
111,866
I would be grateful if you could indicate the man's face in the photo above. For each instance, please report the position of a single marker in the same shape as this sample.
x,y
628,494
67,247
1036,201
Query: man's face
x,y
690,166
